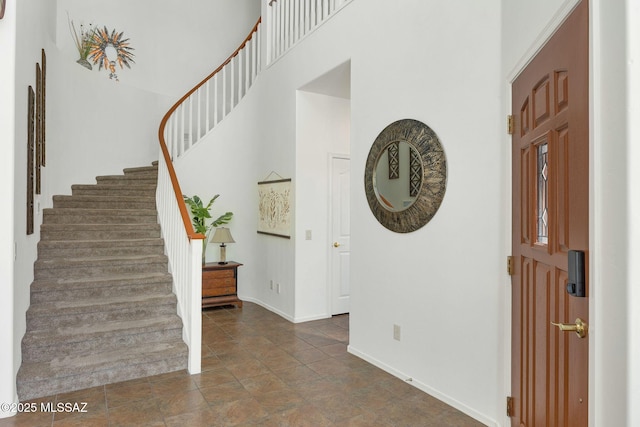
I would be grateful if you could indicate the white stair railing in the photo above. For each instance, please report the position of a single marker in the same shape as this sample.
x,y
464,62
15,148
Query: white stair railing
x,y
184,250
202,108
291,20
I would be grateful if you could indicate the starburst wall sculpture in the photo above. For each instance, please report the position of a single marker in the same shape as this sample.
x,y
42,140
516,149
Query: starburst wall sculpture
x,y
109,48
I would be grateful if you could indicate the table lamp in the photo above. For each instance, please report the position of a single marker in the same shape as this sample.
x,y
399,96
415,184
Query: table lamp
x,y
222,236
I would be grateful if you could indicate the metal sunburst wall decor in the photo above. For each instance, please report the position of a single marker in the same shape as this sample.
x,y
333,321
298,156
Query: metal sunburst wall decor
x,y
109,49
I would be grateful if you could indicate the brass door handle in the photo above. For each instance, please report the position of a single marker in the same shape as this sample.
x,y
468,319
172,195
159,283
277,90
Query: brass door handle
x,y
580,327
336,244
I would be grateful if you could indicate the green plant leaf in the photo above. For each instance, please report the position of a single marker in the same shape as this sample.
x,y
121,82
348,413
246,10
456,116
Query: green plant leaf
x,y
200,214
222,219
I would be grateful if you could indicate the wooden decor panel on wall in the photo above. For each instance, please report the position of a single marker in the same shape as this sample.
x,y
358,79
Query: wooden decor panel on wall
x,y
43,112
36,131
38,113
30,156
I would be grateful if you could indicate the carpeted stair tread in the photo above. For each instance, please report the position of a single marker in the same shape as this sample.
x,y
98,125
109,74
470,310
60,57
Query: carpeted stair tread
x,y
98,337
49,249
80,261
91,197
44,290
107,281
80,217
98,231
86,244
99,330
100,211
110,201
75,372
99,266
143,186
98,227
74,365
126,179
141,169
108,189
80,306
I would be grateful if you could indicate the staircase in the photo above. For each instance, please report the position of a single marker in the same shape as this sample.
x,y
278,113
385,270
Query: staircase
x,y
102,309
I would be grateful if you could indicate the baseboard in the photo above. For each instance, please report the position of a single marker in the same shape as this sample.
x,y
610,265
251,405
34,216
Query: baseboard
x,y
268,307
424,387
284,315
311,318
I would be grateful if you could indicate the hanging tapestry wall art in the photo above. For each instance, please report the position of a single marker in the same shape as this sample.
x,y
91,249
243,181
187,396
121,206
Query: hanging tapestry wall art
x,y
274,208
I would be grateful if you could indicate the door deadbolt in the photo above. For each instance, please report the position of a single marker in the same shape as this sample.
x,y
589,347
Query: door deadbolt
x,y
576,270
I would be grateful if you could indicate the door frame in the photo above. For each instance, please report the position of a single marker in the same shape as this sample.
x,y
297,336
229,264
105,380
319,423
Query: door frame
x,y
549,30
330,157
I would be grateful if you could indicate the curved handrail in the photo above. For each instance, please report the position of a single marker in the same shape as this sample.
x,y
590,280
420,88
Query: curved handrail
x,y
186,219
163,143
199,85
233,55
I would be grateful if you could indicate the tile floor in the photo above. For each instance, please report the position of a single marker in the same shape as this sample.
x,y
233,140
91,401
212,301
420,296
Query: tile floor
x,y
258,370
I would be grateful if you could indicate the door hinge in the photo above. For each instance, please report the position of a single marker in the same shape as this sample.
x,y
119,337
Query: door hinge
x,y
511,124
509,406
510,266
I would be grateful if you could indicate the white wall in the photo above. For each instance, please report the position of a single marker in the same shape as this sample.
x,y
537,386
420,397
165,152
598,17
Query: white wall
x,y
633,222
437,63
322,129
615,349
33,30
7,135
240,153
414,280
176,45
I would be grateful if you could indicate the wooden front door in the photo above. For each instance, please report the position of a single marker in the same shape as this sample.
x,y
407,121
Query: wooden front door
x,y
550,165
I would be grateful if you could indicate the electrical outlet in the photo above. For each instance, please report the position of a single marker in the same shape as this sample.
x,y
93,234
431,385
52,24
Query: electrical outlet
x,y
278,287
307,234
271,284
396,332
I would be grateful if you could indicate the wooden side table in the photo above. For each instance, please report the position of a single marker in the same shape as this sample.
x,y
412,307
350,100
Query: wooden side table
x,y
220,284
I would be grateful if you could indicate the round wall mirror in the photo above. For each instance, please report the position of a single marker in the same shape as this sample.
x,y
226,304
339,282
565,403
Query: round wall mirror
x,y
398,177
405,176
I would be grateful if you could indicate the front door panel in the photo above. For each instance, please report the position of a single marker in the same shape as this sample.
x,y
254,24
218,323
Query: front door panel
x,y
550,217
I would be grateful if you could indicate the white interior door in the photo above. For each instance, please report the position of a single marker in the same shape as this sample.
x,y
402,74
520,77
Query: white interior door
x,y
340,234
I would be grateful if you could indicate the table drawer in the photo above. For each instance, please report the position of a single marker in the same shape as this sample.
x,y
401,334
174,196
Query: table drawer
x,y
208,283
215,292
218,274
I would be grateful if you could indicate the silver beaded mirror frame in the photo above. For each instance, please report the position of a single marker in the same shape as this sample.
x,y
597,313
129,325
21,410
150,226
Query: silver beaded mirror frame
x,y
434,176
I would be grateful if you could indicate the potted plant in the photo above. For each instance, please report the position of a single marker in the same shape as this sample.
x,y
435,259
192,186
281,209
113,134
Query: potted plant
x,y
200,214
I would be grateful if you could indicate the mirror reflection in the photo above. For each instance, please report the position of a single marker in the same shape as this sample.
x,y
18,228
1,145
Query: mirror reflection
x,y
397,180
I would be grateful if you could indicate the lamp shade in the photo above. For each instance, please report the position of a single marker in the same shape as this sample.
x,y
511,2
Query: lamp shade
x,y
222,235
